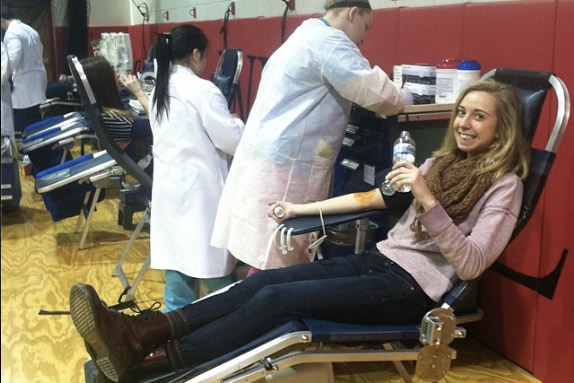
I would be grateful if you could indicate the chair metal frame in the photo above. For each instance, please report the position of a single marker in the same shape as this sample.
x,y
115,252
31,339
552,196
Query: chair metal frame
x,y
230,58
96,169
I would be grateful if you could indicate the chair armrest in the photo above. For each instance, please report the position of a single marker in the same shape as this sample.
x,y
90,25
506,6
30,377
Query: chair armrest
x,y
308,224
457,294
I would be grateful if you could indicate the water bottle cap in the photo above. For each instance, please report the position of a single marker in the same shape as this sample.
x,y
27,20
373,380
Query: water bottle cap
x,y
468,65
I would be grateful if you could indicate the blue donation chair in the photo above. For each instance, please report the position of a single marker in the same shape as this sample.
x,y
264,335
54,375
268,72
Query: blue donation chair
x,y
51,146
74,187
121,160
299,351
143,180
51,121
48,142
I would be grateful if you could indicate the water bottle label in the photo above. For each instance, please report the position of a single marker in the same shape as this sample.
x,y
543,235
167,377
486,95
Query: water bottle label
x,y
404,152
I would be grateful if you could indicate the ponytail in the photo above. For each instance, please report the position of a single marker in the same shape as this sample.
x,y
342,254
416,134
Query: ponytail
x,y
162,54
176,45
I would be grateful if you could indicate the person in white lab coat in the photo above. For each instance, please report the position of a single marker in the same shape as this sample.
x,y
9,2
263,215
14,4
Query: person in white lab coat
x,y
28,71
7,119
195,136
295,129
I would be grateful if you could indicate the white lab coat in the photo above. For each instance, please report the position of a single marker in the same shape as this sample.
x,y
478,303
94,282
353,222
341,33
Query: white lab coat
x,y
293,136
28,71
191,152
7,116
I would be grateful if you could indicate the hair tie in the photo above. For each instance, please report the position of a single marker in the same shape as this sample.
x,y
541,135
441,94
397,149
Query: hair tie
x,y
167,37
349,4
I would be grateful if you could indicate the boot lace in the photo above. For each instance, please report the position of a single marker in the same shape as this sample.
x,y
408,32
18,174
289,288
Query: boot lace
x,y
141,314
148,313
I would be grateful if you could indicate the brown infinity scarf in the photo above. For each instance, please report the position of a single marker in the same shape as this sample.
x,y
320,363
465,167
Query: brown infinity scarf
x,y
453,181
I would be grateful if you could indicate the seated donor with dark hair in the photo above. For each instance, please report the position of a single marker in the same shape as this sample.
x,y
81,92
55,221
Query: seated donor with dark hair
x,y
466,200
132,134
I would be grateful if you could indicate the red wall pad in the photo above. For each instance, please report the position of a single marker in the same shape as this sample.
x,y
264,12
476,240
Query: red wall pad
x,y
531,325
554,339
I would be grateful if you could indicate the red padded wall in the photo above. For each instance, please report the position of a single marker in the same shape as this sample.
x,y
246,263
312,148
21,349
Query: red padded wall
x,y
430,34
523,325
518,34
382,40
514,35
553,338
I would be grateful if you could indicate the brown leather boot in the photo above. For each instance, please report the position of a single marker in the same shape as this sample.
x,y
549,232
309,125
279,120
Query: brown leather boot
x,y
100,376
156,362
119,342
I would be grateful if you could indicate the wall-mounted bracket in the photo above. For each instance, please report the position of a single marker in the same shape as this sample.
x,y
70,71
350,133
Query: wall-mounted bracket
x,y
165,15
193,12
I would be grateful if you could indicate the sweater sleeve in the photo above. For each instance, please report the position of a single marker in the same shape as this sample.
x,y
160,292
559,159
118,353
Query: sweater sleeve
x,y
470,255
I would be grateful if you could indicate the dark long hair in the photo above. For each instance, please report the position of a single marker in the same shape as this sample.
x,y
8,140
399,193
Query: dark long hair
x,y
178,44
102,78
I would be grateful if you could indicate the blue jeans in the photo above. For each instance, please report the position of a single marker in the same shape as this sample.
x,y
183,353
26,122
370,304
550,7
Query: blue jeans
x,y
181,289
365,289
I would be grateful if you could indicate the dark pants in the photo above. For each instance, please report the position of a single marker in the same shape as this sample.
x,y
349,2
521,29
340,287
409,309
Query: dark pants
x,y
25,117
365,289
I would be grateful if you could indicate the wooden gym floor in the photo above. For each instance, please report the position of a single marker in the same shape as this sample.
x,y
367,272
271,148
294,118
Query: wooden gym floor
x,y
41,261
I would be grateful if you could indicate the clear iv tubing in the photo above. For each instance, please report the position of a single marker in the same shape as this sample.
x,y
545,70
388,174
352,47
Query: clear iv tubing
x,y
285,239
285,244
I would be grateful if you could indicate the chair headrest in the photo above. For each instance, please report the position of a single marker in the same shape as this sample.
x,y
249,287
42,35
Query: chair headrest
x,y
533,87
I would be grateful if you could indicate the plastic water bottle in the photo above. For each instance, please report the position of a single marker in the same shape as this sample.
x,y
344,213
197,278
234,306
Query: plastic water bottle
x,y
403,150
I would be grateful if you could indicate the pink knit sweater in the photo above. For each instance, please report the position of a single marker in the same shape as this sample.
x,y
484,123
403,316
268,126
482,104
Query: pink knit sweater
x,y
463,250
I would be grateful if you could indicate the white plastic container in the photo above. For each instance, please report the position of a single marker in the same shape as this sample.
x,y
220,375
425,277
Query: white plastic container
x,y
468,72
446,82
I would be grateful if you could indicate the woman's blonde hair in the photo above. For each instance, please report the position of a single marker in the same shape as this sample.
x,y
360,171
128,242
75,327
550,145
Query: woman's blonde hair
x,y
510,152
